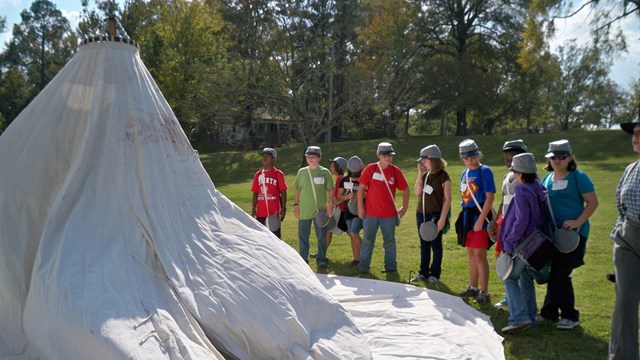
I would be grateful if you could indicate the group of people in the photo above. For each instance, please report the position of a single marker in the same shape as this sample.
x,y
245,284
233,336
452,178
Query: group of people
x,y
565,197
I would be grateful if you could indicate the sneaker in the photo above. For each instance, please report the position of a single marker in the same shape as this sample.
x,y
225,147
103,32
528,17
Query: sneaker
x,y
566,324
433,280
512,329
541,319
500,304
418,278
483,298
354,264
322,267
470,292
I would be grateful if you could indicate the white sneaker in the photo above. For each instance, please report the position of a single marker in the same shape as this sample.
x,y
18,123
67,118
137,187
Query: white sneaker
x,y
418,278
566,324
433,280
501,303
512,329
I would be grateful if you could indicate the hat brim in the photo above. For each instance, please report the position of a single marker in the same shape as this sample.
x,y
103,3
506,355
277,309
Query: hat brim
x,y
313,153
628,127
469,154
387,153
266,152
557,153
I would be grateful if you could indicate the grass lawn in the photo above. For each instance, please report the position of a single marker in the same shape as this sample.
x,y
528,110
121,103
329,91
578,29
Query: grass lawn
x,y
603,155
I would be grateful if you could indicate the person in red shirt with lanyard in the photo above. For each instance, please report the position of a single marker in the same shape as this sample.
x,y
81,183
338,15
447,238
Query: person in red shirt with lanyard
x,y
378,183
269,191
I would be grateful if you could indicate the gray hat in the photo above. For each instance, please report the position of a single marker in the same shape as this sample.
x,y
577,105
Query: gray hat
x,y
269,151
342,162
430,152
313,150
560,147
354,164
468,148
628,127
524,163
385,148
514,145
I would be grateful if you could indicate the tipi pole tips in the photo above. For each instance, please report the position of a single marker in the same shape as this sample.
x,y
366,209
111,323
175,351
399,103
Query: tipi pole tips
x,y
111,26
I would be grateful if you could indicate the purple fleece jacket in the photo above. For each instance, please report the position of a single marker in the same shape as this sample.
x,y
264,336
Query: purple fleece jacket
x,y
523,215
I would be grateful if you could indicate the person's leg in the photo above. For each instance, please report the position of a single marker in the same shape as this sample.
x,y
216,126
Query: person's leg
x,y
370,227
304,230
517,307
473,269
436,265
355,225
321,235
425,253
329,238
388,230
623,343
567,299
528,294
483,269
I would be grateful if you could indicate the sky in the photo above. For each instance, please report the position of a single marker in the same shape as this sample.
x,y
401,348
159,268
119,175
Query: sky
x,y
625,70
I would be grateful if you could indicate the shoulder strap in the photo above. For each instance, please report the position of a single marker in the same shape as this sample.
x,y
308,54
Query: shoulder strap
x,y
424,207
313,188
386,183
264,191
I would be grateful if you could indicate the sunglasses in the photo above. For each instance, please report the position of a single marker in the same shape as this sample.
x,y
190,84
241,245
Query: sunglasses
x,y
559,157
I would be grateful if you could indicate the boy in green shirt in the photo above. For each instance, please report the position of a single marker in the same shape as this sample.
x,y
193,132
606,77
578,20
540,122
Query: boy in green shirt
x,y
313,192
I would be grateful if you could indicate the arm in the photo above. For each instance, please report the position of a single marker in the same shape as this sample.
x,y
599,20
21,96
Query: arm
x,y
405,202
486,209
446,206
296,200
592,203
283,204
417,188
361,193
330,202
254,205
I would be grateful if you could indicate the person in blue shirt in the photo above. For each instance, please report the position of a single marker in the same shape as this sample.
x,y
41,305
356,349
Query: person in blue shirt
x,y
626,258
523,217
573,200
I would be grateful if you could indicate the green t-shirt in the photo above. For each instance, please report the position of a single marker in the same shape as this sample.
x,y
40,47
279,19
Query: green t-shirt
x,y
323,182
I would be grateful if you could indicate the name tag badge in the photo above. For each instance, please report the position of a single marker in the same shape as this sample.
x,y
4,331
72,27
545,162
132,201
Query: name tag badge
x,y
318,180
348,186
428,189
378,176
560,185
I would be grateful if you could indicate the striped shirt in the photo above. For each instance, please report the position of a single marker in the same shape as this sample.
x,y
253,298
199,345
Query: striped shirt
x,y
628,196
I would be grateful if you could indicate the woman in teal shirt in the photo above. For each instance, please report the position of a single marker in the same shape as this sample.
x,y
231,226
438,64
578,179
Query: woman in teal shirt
x,y
573,201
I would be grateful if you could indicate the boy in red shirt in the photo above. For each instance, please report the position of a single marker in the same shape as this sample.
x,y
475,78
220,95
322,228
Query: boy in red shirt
x,y
269,190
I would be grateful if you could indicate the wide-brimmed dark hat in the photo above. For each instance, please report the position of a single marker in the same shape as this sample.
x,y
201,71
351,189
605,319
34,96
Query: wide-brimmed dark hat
x,y
628,127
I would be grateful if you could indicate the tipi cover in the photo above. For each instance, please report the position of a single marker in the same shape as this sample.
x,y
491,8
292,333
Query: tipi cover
x,y
115,243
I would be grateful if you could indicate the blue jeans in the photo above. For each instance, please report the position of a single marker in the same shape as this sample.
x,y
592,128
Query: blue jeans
x,y
354,225
388,228
521,294
304,230
427,246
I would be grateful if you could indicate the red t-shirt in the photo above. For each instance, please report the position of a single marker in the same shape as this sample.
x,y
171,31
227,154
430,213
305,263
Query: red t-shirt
x,y
274,183
379,202
336,192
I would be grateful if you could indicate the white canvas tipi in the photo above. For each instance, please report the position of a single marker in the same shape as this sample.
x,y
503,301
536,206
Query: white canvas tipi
x,y
115,244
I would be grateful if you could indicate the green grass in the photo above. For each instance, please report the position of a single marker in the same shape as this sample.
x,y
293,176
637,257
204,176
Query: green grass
x,y
603,155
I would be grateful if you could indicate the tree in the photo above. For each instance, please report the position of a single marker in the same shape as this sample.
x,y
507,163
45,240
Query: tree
x,y
43,41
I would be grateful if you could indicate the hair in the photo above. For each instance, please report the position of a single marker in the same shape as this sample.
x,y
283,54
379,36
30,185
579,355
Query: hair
x,y
339,169
570,167
515,151
529,178
437,164
480,156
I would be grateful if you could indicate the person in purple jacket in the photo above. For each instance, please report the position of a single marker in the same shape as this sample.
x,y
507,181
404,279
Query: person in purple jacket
x,y
524,215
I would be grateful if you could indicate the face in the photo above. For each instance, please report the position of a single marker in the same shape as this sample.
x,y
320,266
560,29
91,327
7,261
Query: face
x,y
333,168
635,139
313,160
385,159
560,162
426,163
508,158
267,160
518,177
472,162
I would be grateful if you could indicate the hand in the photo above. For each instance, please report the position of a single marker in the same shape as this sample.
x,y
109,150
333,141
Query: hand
x,y
571,224
478,225
330,211
441,223
283,212
253,212
361,213
296,212
402,211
